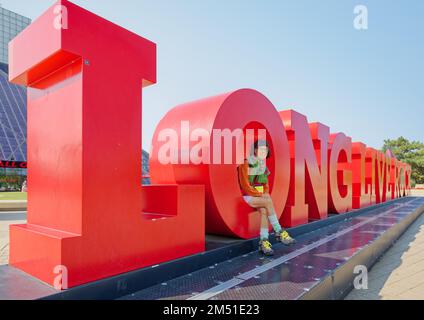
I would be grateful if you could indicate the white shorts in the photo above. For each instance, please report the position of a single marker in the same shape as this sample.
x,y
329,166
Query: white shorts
x,y
248,199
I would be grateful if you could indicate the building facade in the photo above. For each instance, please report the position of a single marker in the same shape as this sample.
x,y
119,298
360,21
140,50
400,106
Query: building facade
x,y
11,24
13,125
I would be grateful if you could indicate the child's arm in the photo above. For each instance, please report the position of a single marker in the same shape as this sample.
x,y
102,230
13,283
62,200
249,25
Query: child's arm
x,y
266,188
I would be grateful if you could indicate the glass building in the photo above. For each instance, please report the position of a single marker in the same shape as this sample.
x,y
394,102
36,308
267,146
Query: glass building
x,y
13,125
12,119
11,24
12,108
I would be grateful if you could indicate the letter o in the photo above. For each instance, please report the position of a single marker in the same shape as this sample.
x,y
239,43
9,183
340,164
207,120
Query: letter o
x,y
226,212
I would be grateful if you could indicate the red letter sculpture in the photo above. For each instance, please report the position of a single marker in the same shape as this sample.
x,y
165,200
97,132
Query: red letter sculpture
x,y
86,207
361,189
87,211
340,173
224,118
308,184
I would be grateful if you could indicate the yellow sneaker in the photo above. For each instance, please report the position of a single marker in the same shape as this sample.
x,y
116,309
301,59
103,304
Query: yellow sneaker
x,y
284,238
265,247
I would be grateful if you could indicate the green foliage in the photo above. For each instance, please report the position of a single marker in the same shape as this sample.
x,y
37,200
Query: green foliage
x,y
411,152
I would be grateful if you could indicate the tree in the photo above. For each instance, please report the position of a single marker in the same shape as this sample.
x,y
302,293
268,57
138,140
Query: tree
x,y
411,152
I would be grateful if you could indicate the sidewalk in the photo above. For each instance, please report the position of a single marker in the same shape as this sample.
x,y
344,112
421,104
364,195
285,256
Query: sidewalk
x,y
6,219
399,275
13,205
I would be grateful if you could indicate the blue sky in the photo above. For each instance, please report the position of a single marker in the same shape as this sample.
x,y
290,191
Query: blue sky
x,y
303,54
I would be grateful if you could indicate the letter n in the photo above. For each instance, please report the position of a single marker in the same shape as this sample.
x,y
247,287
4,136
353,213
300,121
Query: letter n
x,y
308,184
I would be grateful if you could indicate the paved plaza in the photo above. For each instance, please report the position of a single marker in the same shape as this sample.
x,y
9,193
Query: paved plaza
x,y
398,275
6,219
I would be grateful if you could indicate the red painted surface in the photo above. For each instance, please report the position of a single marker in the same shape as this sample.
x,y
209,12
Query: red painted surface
x,y
226,211
393,177
380,171
339,173
86,208
370,176
84,117
361,189
308,194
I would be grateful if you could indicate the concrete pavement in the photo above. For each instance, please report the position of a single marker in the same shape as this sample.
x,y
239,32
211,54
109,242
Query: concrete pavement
x,y
13,205
6,219
399,275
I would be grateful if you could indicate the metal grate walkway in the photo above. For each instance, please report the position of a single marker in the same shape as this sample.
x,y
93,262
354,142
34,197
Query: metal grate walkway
x,y
294,271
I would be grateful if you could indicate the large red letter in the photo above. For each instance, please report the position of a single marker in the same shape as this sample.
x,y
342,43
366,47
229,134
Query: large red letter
x,y
340,173
380,170
393,190
308,184
232,114
361,190
370,175
86,207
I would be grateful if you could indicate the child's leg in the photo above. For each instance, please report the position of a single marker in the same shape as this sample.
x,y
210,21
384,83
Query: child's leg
x,y
264,224
264,245
260,203
266,207
281,235
272,216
